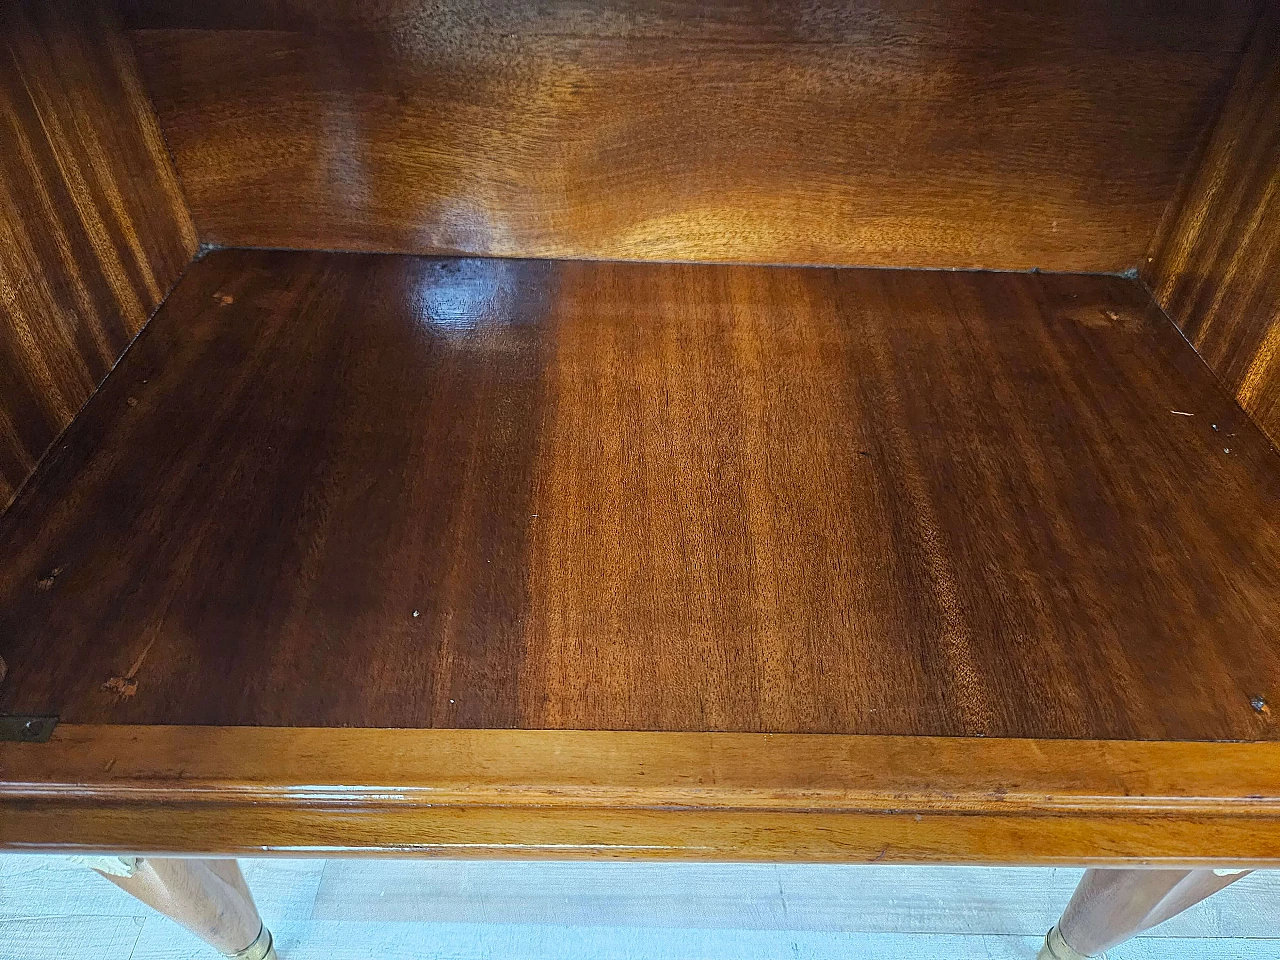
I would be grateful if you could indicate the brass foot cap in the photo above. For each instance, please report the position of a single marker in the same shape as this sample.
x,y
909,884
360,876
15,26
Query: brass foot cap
x,y
261,949
1055,948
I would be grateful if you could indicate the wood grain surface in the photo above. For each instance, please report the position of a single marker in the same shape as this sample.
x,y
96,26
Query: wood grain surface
x,y
93,227
906,133
338,489
537,794
1215,266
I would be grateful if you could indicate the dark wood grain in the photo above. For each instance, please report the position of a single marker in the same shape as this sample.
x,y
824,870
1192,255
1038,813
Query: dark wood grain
x,y
907,133
93,227
1215,265
537,793
328,489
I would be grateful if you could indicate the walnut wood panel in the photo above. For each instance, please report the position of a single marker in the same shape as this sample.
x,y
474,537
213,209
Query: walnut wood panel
x,y
340,489
641,795
1215,266
93,228
993,134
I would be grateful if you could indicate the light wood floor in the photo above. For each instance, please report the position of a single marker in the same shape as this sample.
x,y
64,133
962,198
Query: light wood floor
x,y
397,910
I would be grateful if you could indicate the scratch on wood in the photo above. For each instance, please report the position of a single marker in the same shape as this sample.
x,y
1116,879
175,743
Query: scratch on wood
x,y
122,687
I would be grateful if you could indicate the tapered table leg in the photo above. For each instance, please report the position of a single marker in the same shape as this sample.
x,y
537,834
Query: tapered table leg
x,y
1110,906
208,897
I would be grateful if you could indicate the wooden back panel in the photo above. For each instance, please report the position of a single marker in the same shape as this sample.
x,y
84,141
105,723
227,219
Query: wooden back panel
x,y
1215,266
960,133
93,228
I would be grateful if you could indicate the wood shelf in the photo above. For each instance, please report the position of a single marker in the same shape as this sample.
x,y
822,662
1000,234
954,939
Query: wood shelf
x,y
339,490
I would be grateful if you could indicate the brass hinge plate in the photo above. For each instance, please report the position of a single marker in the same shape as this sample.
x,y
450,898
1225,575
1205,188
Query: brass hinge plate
x,y
27,729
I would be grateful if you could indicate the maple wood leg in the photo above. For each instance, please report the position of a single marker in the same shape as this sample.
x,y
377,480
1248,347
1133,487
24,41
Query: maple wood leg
x,y
208,897
1110,906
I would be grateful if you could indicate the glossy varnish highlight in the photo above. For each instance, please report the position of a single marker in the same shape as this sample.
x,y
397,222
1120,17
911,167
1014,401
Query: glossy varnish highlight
x,y
1215,266
998,133
708,796
93,228
332,489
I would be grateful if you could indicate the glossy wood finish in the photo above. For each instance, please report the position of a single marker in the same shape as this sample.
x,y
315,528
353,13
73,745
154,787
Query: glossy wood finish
x,y
1215,266
1110,906
330,490
93,227
992,133
208,897
533,794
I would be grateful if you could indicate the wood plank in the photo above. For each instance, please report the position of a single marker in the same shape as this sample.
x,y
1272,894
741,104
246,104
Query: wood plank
x,y
328,940
984,901
547,794
35,886
330,490
907,133
535,768
93,227
1215,265
744,896
975,901
60,938
972,901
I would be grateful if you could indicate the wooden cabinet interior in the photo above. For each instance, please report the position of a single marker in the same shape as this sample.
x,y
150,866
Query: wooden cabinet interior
x,y
442,461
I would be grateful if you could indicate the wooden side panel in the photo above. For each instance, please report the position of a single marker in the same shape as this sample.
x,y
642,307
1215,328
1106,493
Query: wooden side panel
x,y
904,133
1215,265
93,227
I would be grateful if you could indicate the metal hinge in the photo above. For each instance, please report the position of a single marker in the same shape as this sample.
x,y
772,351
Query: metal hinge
x,y
26,729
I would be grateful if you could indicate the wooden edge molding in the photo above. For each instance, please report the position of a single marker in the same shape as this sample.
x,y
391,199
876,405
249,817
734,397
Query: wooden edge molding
x,y
727,796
